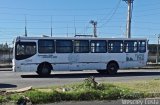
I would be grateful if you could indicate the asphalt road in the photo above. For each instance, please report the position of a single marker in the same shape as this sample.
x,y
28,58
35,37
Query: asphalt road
x,y
109,102
9,79
146,101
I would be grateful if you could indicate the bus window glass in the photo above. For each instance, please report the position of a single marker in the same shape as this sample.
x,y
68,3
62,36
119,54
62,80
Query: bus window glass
x,y
46,46
81,46
64,46
25,50
98,46
142,46
130,46
115,46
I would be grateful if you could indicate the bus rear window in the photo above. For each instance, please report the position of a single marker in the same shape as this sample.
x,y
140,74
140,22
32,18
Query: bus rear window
x,y
25,50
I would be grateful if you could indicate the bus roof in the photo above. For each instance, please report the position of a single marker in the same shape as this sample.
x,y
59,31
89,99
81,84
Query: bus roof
x,y
75,38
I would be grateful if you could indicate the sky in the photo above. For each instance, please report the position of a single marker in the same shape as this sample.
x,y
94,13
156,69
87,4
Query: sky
x,y
66,16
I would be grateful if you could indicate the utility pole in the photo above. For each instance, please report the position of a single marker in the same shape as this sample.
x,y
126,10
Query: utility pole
x,y
130,7
157,60
94,23
51,26
25,27
67,30
75,30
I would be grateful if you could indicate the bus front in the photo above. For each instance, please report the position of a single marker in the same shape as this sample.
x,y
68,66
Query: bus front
x,y
23,51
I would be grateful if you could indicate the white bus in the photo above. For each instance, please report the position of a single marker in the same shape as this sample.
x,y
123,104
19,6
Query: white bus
x,y
106,55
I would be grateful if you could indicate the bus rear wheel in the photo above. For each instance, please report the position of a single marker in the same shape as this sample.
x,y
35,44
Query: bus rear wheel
x,y
44,69
112,68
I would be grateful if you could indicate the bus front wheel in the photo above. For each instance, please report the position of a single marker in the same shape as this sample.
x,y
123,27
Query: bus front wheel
x,y
44,69
112,68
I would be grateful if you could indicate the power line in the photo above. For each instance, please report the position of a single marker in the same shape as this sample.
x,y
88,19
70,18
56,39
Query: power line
x,y
58,9
147,4
40,27
103,23
146,28
59,22
114,12
151,14
48,15
146,10
148,22
40,21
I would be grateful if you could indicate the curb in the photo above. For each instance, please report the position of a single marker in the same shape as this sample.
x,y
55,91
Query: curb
x,y
5,69
5,66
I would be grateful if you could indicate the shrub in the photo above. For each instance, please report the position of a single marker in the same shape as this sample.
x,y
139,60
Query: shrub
x,y
14,97
2,99
112,93
88,95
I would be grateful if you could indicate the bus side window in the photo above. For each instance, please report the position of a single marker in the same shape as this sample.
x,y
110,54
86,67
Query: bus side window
x,y
142,46
130,46
81,46
115,46
98,46
64,46
46,46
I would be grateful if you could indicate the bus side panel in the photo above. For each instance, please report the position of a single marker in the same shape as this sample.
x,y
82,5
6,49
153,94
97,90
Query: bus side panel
x,y
60,67
120,58
136,60
87,66
94,61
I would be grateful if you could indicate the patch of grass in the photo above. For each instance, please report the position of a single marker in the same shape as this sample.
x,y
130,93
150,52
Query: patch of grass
x,y
150,86
2,99
157,79
80,95
45,90
88,90
14,97
43,97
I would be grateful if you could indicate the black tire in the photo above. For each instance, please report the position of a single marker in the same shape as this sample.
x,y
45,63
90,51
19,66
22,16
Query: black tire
x,y
112,68
102,71
44,69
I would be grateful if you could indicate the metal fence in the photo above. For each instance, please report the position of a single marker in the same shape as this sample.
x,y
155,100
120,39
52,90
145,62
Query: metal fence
x,y
6,56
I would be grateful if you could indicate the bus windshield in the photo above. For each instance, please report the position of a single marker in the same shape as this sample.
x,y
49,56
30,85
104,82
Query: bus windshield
x,y
25,50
